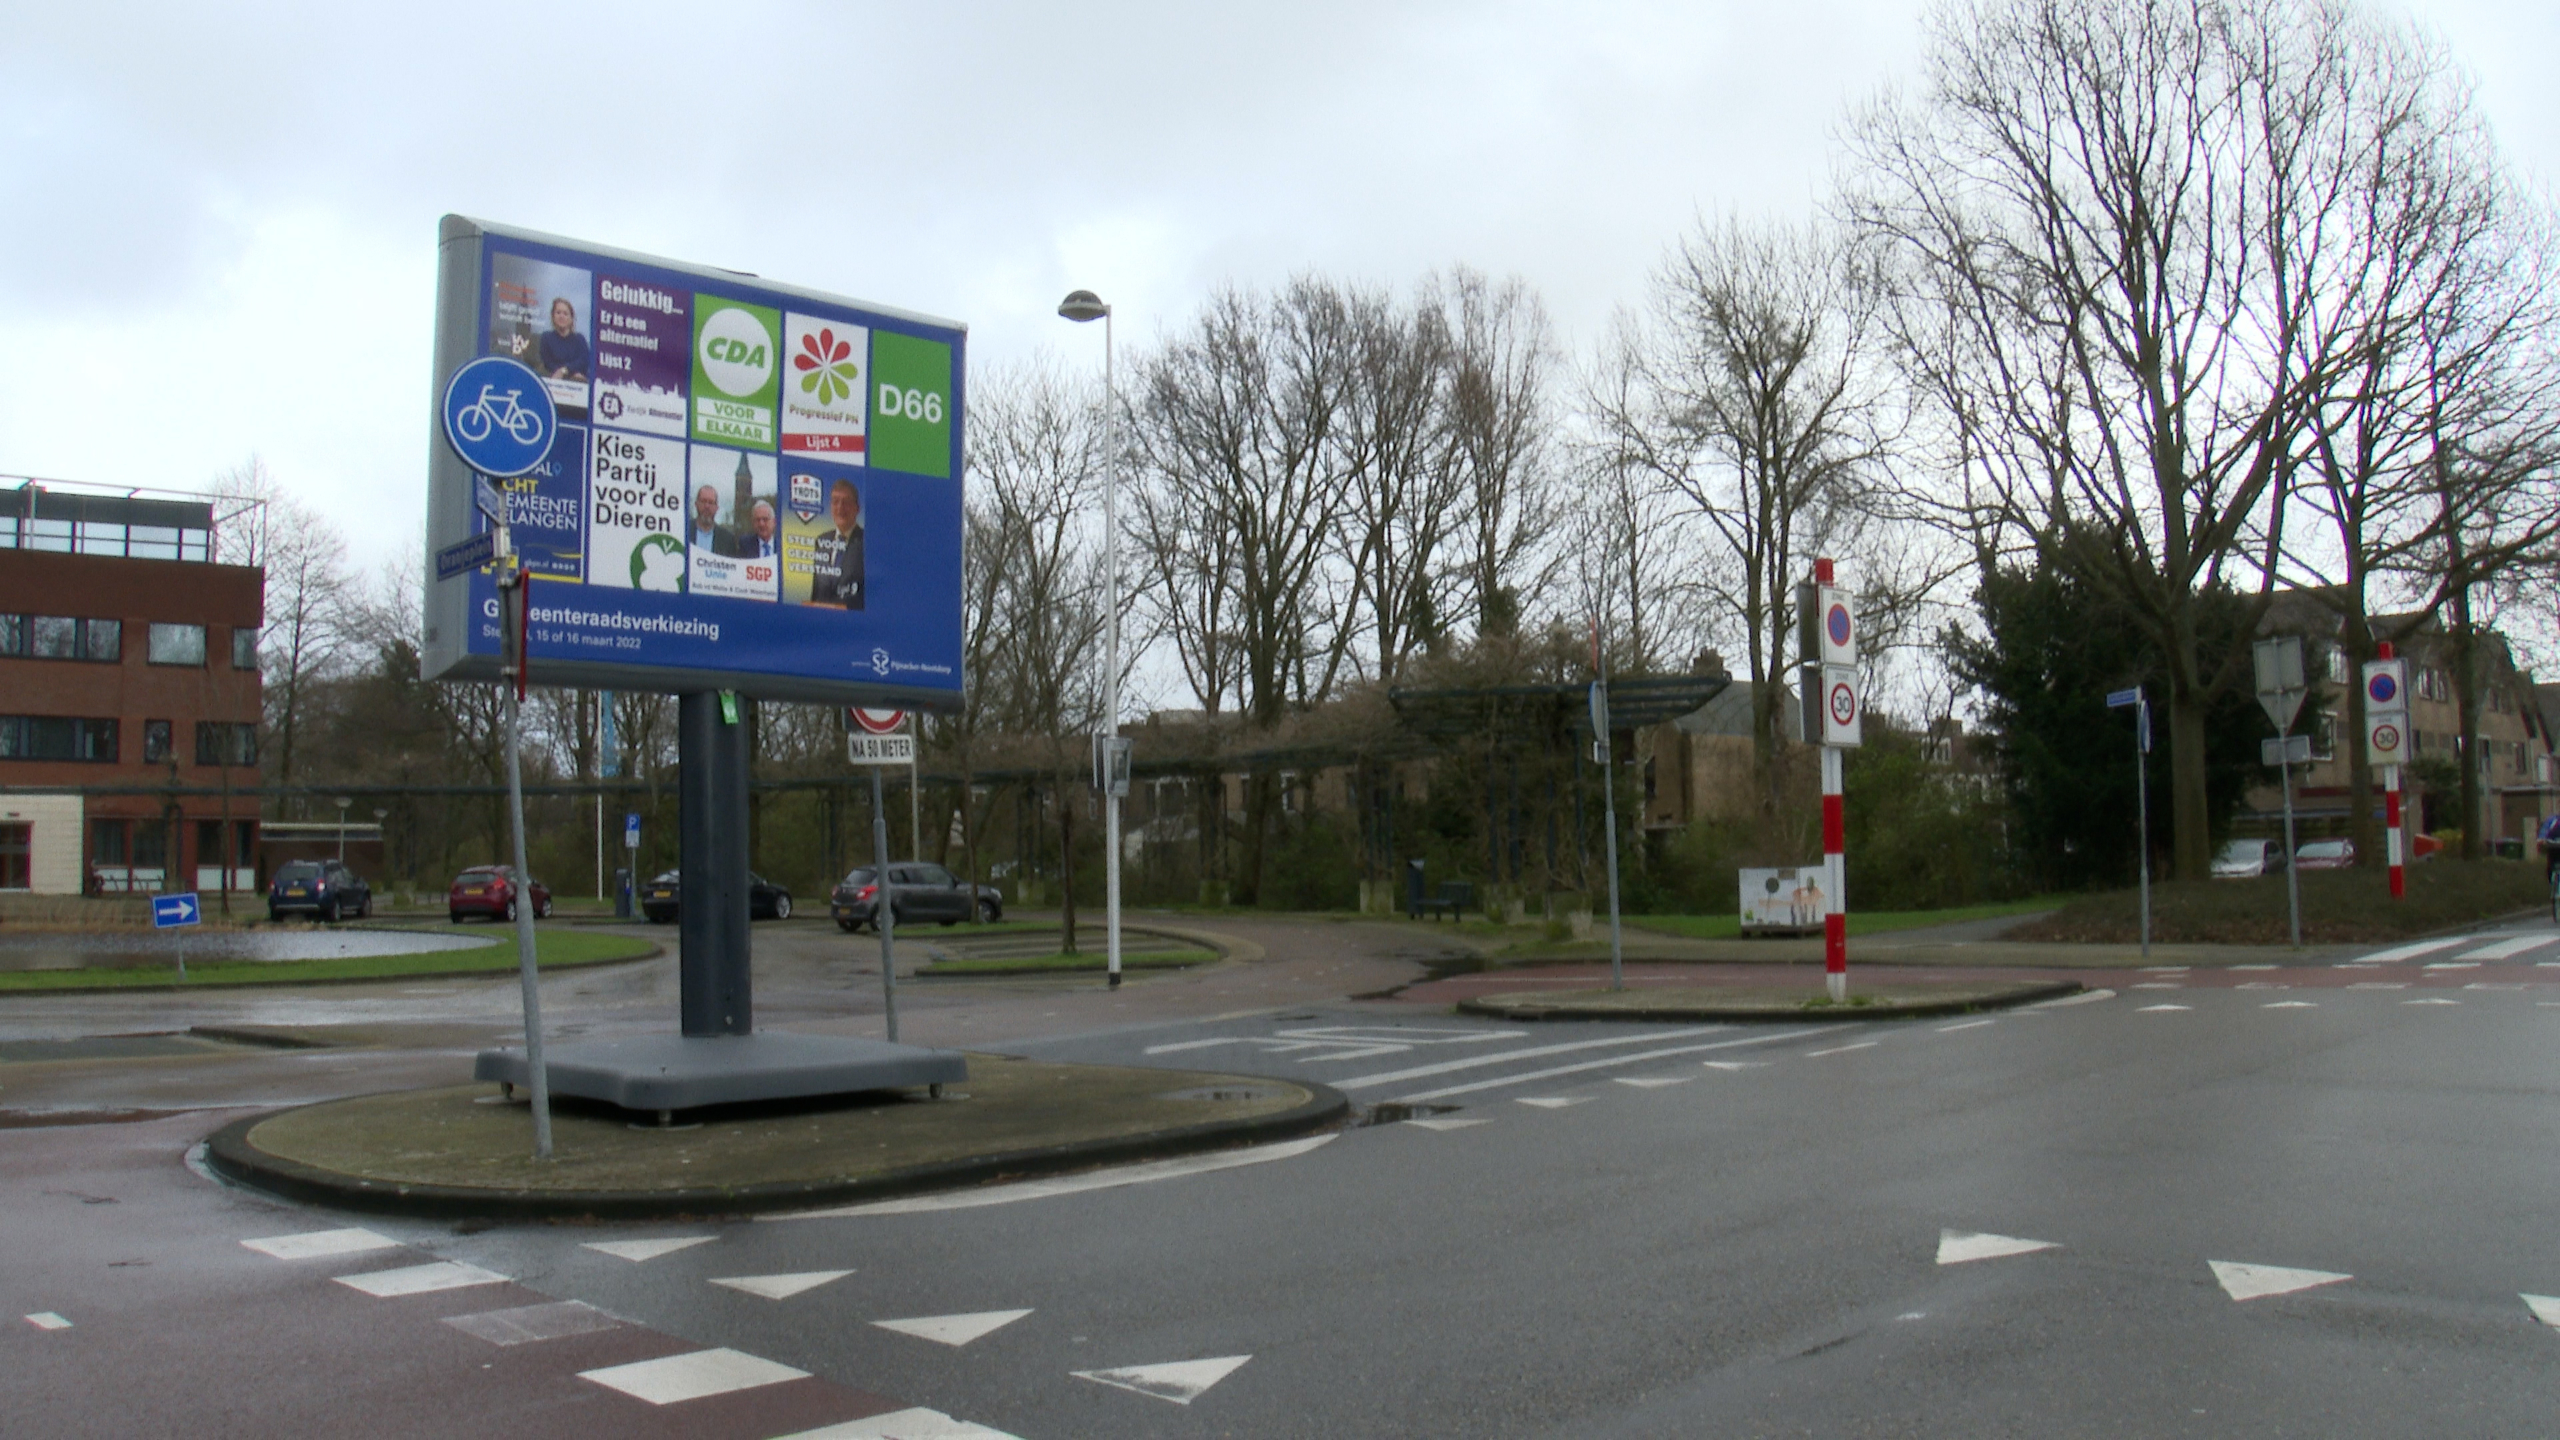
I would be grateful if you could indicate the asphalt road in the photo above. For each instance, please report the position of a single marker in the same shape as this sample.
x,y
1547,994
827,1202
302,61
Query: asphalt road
x,y
2284,1201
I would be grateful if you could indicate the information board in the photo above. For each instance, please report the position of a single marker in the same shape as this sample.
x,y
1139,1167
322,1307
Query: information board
x,y
743,485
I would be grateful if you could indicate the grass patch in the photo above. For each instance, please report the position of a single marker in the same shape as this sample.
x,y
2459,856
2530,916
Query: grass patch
x,y
1060,964
551,949
2339,907
1861,922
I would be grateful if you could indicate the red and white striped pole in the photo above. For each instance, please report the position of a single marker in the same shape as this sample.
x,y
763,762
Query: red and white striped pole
x,y
2395,844
1835,921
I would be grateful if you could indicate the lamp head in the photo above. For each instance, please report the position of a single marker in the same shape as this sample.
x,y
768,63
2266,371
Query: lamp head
x,y
1083,305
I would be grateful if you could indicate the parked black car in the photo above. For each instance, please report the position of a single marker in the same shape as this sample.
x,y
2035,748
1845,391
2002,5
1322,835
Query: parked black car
x,y
920,891
324,888
765,900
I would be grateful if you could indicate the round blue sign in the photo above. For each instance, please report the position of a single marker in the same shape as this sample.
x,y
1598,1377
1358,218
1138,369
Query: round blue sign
x,y
498,417
1839,623
2382,688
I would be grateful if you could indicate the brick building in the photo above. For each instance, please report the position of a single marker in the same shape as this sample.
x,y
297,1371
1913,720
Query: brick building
x,y
129,696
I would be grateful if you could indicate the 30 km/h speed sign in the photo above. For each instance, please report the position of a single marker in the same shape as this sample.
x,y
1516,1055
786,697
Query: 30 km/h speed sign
x,y
1842,709
2382,743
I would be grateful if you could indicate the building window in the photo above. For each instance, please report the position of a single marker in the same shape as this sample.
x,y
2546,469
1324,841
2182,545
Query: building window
x,y
150,845
221,742
61,637
17,856
177,644
2434,684
110,842
155,742
244,647
57,737
2324,735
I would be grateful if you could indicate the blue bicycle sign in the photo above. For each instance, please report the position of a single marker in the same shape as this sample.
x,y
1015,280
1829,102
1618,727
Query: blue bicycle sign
x,y
498,417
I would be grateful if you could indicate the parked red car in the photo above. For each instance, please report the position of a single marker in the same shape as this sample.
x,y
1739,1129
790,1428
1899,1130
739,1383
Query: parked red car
x,y
490,891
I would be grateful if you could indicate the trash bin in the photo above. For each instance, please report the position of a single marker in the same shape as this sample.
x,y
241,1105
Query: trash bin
x,y
1413,889
622,893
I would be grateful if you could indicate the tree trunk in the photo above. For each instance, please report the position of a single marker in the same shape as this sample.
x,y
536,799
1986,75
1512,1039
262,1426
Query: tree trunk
x,y
1066,869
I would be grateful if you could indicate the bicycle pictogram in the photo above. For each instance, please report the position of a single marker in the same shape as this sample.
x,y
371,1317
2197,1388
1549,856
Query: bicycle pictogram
x,y
475,420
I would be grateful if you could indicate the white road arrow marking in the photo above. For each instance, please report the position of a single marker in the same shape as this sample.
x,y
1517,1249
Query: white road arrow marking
x,y
781,1287
1955,1247
953,1330
1181,1382
647,1249
2546,1308
2251,1282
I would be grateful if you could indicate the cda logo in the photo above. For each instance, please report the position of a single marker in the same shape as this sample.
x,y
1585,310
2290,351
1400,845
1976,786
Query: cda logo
x,y
736,352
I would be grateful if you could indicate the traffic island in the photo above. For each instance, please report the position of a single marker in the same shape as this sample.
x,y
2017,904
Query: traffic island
x,y
1916,1000
466,1151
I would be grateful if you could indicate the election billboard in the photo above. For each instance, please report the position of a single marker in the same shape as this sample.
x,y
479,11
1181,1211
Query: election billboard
x,y
714,481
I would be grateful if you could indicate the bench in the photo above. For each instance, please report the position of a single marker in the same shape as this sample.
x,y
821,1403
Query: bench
x,y
1456,898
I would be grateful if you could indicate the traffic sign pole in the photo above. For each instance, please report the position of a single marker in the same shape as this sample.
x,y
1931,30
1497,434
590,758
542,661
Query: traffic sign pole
x,y
2395,841
537,1078
1835,921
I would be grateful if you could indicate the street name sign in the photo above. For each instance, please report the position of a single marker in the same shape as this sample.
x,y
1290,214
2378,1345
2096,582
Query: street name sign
x,y
466,555
2290,750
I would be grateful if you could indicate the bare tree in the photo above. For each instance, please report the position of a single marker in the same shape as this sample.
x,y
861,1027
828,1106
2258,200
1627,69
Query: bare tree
x,y
2116,229
306,596
1403,500
1746,390
1500,413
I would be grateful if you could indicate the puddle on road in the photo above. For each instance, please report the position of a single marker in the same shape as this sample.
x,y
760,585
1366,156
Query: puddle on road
x,y
125,951
1395,1112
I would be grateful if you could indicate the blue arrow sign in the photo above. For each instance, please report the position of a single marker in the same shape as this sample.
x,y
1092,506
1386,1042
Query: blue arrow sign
x,y
168,910
464,556
498,417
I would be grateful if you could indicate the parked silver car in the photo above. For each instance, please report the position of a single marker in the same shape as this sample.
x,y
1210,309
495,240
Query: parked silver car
x,y
2243,859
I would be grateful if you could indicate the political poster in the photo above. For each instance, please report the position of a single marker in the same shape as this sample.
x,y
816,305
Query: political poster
x,y
644,347
703,517
823,389
541,313
636,513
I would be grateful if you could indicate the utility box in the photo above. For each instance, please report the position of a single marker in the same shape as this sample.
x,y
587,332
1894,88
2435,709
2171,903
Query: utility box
x,y
1785,902
622,893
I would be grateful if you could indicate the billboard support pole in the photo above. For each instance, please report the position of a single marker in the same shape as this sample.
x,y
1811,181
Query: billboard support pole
x,y
884,915
537,1080
713,994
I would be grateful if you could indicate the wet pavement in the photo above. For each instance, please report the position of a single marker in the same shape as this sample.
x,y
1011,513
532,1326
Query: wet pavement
x,y
134,949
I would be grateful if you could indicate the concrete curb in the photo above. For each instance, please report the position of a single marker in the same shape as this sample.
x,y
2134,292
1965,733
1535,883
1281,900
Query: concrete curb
x,y
1495,1007
229,1154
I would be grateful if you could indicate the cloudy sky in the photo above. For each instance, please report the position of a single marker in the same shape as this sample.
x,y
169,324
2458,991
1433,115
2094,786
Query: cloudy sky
x,y
220,220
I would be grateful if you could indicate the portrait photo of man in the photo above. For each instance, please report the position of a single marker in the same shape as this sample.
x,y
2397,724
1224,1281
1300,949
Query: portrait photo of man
x,y
706,531
761,543
835,578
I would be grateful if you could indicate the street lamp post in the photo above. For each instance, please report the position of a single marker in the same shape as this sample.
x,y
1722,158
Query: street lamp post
x,y
1081,306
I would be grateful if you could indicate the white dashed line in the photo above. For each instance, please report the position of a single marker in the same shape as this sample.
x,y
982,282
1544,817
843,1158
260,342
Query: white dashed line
x,y
1147,1173
47,1320
2454,964
420,1279
2156,1009
315,1243
2431,1000
1561,1102
1614,1060
2379,985
2504,948
1449,1122
1840,1049
1967,1025
2291,1005
1654,1082
1475,1062
692,1376
2411,952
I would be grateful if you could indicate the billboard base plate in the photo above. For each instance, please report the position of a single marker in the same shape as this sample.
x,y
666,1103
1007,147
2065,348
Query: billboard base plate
x,y
686,1072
